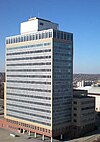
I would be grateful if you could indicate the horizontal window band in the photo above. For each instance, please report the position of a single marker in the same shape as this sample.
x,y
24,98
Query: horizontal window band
x,y
61,60
27,119
29,76
29,70
31,82
28,52
37,109
29,58
27,113
29,64
30,96
29,102
37,90
30,37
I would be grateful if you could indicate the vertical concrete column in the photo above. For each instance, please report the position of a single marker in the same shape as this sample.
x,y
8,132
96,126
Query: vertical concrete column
x,y
35,134
29,133
61,136
23,131
51,139
43,137
19,131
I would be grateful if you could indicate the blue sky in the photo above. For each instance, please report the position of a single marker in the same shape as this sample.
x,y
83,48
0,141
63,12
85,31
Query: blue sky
x,y
82,17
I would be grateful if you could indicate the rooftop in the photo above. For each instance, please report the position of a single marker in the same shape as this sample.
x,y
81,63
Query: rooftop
x,y
90,89
34,18
81,96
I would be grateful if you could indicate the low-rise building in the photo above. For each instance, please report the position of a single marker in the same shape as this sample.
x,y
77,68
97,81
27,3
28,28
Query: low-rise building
x,y
83,113
93,91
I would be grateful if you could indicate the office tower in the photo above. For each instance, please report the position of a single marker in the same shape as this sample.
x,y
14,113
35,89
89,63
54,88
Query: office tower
x,y
39,74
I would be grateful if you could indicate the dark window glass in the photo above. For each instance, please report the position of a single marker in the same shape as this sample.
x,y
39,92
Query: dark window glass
x,y
61,35
65,36
75,102
75,114
75,108
58,35
54,34
41,24
75,120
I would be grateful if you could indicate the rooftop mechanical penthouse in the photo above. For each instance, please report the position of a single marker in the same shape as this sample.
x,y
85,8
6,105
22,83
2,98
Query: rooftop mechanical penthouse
x,y
39,73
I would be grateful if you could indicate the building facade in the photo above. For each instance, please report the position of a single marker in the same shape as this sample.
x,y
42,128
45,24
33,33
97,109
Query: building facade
x,y
83,113
39,74
93,91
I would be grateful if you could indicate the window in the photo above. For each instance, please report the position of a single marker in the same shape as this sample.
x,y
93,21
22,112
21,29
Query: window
x,y
71,37
46,35
36,36
65,36
75,114
27,38
40,36
75,120
50,34
68,36
43,35
54,34
22,39
58,35
61,35
75,102
41,24
75,108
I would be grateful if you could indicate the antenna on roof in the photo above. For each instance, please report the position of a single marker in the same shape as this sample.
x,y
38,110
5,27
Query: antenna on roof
x,y
31,15
38,13
32,12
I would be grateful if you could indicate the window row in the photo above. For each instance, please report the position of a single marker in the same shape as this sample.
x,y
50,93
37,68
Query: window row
x,y
27,107
31,76
30,96
62,45
30,46
26,125
30,70
29,89
62,60
66,54
29,58
30,37
41,35
30,64
63,35
62,122
28,52
27,113
29,102
31,82
27,119
86,108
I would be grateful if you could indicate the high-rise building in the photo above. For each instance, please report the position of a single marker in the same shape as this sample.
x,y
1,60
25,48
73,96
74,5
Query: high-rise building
x,y
39,74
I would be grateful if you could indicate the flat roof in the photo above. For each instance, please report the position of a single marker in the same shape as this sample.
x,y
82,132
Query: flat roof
x,y
34,18
81,96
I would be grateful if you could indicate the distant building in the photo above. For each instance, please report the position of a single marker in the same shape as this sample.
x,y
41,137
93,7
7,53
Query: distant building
x,y
83,113
84,83
39,74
